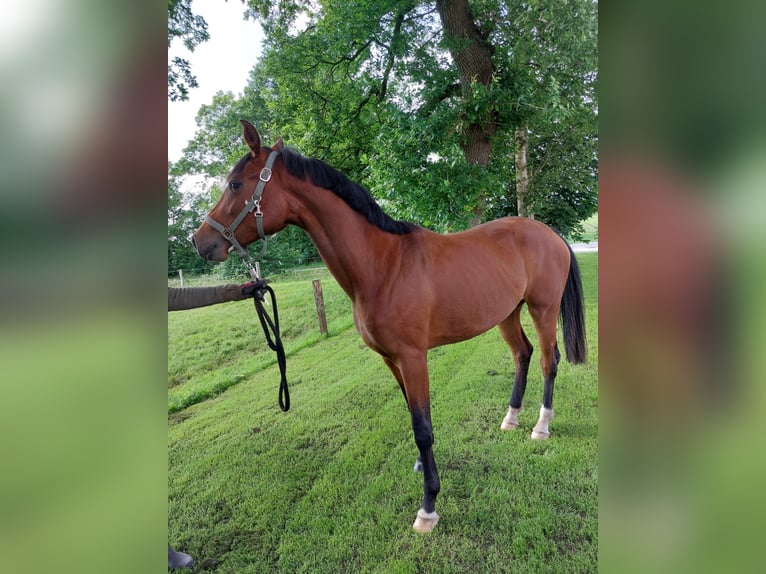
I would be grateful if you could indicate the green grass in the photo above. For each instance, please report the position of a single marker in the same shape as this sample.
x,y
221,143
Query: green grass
x,y
329,487
213,348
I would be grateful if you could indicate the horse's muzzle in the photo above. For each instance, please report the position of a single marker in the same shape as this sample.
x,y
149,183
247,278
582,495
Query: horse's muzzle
x,y
210,250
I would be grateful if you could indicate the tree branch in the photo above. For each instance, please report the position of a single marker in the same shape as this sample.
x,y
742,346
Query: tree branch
x,y
450,91
395,35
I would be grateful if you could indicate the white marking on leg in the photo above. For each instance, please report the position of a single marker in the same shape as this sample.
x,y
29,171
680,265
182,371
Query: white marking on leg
x,y
511,420
541,428
425,521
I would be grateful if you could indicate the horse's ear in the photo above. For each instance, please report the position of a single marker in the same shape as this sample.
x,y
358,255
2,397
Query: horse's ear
x,y
279,145
252,139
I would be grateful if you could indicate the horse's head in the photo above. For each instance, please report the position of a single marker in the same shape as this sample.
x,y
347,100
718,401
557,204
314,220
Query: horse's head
x,y
251,188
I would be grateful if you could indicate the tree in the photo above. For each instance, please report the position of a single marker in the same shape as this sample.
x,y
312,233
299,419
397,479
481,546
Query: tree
x,y
191,29
423,104
217,143
547,56
563,189
472,55
185,214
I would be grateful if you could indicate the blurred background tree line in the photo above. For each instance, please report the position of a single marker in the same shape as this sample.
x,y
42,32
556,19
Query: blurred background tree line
x,y
451,112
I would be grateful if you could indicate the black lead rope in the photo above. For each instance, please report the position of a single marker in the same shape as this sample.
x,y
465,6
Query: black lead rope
x,y
272,327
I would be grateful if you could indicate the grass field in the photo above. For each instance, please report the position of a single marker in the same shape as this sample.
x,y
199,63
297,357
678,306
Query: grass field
x,y
329,486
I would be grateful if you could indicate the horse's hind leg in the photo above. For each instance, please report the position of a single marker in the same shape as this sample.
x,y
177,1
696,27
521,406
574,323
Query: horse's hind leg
x,y
521,348
545,318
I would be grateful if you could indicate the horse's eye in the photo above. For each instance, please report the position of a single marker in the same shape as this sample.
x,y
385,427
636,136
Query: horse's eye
x,y
234,185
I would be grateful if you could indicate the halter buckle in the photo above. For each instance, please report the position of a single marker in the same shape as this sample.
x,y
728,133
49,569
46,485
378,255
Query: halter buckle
x,y
265,174
252,270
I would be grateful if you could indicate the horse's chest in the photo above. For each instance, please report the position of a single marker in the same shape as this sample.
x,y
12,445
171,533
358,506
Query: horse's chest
x,y
373,331
389,329
364,326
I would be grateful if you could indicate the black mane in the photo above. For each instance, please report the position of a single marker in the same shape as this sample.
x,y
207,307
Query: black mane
x,y
357,197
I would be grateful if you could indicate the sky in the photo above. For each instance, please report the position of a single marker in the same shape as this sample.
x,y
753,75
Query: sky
x,y
223,63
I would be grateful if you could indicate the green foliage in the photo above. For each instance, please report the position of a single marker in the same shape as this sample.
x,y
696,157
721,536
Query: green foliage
x,y
329,487
565,193
424,175
217,144
371,88
191,29
564,183
547,59
185,213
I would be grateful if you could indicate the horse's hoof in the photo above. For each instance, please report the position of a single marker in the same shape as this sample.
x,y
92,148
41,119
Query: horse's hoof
x,y
540,430
425,521
511,420
508,426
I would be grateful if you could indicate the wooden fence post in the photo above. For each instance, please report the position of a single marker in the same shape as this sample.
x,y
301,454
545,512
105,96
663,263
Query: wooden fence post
x,y
319,300
181,276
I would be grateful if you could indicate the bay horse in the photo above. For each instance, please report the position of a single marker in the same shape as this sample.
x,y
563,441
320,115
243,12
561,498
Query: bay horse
x,y
411,289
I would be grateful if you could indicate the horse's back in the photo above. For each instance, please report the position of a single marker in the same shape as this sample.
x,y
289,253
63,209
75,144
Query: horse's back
x,y
511,245
477,277
527,236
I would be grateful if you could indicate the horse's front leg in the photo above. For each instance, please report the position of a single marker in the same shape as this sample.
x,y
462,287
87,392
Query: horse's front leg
x,y
414,372
424,438
418,467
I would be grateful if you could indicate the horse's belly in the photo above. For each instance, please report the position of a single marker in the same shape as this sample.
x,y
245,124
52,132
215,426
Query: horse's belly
x,y
470,319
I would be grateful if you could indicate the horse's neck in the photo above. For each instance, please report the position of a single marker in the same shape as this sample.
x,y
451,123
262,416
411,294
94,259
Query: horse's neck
x,y
353,249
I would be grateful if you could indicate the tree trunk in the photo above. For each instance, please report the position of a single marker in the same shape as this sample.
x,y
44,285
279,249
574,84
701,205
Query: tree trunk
x,y
473,57
522,173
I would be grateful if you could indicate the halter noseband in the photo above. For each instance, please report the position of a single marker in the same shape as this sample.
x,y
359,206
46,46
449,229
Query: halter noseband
x,y
254,203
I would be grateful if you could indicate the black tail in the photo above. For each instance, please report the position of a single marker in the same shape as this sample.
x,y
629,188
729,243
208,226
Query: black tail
x,y
572,314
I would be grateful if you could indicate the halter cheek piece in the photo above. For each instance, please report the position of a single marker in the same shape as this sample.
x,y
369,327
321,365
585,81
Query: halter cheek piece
x,y
254,203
